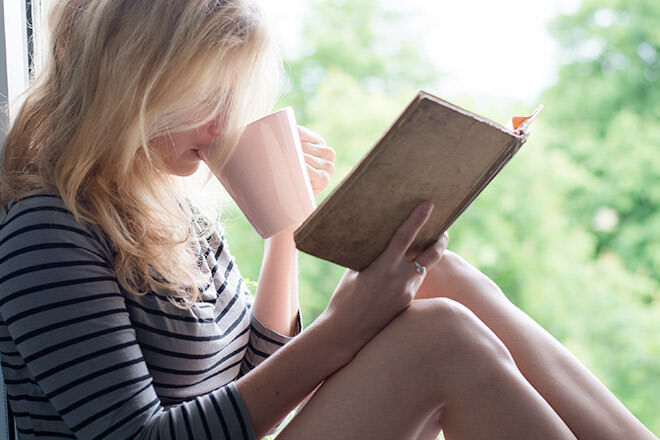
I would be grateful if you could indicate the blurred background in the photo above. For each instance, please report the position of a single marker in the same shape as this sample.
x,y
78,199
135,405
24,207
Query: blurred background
x,y
571,227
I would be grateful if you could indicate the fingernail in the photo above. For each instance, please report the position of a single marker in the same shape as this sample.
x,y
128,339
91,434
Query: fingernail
x,y
427,207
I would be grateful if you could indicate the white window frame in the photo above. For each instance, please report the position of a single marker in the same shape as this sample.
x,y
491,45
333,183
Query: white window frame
x,y
15,53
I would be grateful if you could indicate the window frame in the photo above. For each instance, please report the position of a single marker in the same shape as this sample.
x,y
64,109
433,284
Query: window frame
x,y
20,26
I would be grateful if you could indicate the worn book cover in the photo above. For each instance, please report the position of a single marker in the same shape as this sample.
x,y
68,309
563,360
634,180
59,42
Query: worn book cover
x,y
434,151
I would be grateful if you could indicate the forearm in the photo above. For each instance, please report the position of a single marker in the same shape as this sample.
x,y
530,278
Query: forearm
x,y
276,302
362,305
271,391
579,398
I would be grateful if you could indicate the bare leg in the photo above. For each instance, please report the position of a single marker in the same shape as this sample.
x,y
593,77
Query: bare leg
x,y
436,365
576,395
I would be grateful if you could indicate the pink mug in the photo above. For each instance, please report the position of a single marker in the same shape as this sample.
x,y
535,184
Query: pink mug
x,y
266,174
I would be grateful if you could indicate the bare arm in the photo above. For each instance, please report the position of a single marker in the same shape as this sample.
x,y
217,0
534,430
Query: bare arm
x,y
363,303
276,304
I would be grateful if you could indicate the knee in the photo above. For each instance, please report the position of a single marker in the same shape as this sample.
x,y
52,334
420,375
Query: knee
x,y
443,332
457,268
436,348
455,278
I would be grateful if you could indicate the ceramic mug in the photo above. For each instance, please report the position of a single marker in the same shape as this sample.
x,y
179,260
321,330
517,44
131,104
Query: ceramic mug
x,y
266,174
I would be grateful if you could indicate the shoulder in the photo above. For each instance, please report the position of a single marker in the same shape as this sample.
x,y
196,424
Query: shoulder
x,y
42,220
48,257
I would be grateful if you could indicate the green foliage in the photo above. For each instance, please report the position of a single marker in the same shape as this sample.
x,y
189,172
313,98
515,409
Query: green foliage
x,y
570,228
357,38
521,233
606,107
605,110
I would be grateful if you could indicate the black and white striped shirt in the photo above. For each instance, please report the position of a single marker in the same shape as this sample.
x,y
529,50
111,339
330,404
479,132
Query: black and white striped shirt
x,y
82,358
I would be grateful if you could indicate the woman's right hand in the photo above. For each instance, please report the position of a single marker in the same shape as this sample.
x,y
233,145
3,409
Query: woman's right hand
x,y
362,304
365,302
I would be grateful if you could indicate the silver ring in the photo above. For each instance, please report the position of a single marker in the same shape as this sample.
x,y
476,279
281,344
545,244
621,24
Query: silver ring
x,y
420,269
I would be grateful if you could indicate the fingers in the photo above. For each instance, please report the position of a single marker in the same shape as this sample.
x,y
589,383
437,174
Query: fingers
x,y
307,135
319,179
319,163
319,159
320,171
319,150
407,232
313,144
433,254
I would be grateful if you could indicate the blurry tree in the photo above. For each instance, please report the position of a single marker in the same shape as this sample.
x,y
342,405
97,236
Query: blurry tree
x,y
569,229
362,40
352,78
521,233
606,110
604,114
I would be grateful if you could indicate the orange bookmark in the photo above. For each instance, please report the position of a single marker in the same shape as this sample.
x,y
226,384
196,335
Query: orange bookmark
x,y
520,124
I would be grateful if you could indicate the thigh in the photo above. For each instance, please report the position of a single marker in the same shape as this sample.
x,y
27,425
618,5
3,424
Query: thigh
x,y
435,363
574,393
376,396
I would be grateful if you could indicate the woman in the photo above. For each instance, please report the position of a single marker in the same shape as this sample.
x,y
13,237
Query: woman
x,y
122,318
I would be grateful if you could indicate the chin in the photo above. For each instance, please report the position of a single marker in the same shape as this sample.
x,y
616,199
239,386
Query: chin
x,y
185,171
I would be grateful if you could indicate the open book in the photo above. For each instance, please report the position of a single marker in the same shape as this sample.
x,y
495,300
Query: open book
x,y
434,151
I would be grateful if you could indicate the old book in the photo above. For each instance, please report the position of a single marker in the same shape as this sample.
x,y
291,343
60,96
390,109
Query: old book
x,y
434,151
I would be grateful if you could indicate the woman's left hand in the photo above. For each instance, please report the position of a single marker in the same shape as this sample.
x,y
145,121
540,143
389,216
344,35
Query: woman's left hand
x,y
319,158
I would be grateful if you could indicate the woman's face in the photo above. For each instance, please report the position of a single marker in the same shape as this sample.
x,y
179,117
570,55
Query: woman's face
x,y
180,152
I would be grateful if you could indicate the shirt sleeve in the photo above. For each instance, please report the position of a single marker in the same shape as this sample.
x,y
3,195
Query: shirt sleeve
x,y
264,342
63,310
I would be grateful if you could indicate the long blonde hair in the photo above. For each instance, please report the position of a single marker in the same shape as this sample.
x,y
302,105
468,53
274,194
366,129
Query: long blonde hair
x,y
117,74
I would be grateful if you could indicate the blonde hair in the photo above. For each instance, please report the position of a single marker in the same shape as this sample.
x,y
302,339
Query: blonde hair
x,y
117,74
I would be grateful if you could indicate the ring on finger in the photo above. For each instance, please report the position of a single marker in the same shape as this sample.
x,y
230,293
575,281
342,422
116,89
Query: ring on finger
x,y
420,269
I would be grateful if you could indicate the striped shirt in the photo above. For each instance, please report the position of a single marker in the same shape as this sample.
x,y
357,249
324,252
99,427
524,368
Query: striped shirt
x,y
83,358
